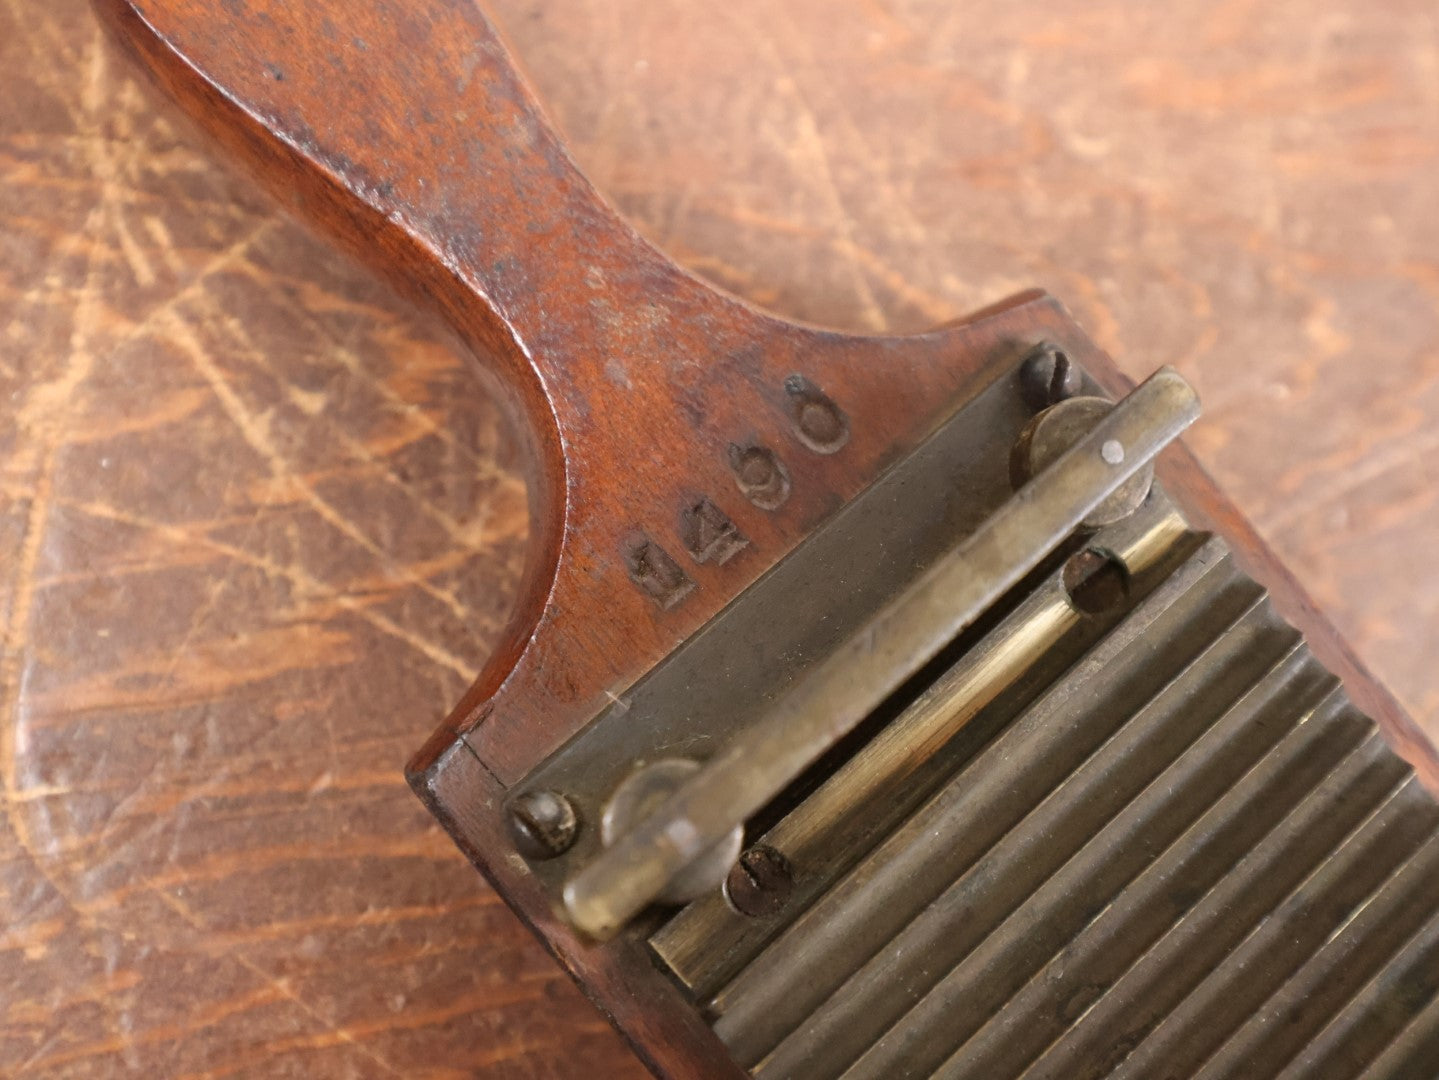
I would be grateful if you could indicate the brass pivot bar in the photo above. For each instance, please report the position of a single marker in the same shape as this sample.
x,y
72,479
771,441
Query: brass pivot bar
x,y
838,693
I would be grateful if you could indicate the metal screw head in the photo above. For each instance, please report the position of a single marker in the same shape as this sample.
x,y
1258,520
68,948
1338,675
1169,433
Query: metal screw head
x,y
1096,581
543,824
760,883
1048,376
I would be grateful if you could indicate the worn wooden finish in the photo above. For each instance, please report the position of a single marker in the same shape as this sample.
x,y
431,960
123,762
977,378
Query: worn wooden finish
x,y
203,427
637,387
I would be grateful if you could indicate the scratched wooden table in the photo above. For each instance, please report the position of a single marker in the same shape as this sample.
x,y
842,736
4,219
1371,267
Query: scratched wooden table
x,y
258,526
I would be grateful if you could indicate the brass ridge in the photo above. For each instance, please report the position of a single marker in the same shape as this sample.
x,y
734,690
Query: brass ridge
x,y
909,632
837,816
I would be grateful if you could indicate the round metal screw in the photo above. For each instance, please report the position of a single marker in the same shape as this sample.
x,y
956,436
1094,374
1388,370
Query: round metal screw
x,y
1048,376
543,824
760,883
1050,434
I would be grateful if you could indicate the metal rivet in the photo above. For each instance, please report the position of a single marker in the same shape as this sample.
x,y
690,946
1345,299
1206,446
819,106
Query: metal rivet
x,y
1059,427
1048,376
543,824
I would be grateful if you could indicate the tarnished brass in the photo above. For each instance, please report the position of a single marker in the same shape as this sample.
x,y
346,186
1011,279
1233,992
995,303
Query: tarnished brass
x,y
1058,428
875,789
726,677
825,706
645,790
1123,822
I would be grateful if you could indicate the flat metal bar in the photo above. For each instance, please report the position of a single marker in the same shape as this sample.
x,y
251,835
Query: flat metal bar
x,y
841,691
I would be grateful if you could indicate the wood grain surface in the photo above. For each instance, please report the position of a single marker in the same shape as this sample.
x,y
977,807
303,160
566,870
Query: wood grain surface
x,y
259,527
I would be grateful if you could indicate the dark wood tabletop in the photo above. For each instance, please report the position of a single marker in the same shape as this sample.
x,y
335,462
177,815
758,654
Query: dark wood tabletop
x,y
259,524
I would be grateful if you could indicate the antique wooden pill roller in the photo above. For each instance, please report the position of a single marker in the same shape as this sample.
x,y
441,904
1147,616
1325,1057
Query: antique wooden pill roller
x,y
875,706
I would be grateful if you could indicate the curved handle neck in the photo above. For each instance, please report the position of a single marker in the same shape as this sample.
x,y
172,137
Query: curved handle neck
x,y
413,117
672,463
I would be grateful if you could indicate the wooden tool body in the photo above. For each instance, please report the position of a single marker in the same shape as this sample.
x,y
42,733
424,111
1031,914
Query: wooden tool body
x,y
681,442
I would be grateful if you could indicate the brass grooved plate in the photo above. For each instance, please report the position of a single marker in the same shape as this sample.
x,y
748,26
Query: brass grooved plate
x,y
1189,856
1137,832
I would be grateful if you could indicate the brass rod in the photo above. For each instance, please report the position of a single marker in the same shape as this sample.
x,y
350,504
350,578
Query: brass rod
x,y
709,940
842,690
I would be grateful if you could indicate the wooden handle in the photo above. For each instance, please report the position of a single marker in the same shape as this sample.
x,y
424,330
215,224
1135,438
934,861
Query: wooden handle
x,y
682,441
408,121
404,130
